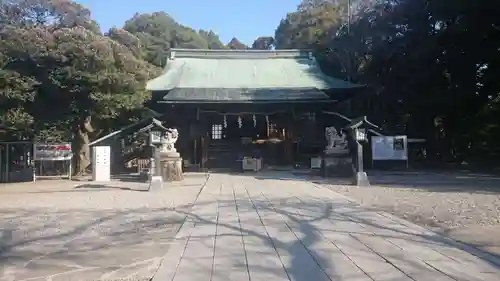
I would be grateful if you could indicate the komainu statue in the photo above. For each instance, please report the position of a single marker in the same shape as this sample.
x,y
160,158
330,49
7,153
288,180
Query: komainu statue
x,y
168,143
335,142
331,135
170,160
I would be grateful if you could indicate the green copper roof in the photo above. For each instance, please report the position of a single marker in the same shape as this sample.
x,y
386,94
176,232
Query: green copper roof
x,y
244,75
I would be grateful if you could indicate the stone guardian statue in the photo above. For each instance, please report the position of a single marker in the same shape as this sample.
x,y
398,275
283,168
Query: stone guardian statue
x,y
168,143
335,142
331,135
170,160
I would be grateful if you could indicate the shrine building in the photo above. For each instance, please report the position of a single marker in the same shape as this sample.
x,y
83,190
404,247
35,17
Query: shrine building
x,y
228,104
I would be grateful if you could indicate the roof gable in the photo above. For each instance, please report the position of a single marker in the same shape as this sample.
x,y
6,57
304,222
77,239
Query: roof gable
x,y
138,127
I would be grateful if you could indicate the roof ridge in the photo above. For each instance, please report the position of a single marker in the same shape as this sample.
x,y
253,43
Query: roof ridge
x,y
238,54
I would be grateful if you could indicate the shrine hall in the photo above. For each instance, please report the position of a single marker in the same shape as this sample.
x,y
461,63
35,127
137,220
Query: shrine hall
x,y
230,104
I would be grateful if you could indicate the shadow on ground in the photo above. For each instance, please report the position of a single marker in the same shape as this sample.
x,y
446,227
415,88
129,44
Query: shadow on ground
x,y
445,181
84,244
116,244
113,244
437,181
90,186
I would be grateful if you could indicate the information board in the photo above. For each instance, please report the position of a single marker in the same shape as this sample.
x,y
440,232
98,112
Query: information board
x,y
52,152
390,148
101,163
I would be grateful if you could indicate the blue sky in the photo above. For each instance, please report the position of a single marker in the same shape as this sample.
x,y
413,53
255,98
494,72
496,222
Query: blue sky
x,y
245,20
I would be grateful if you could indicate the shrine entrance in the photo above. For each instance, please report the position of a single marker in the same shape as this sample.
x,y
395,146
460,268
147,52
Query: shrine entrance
x,y
232,136
234,127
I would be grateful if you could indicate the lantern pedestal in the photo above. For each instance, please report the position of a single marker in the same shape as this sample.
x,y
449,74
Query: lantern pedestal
x,y
337,164
171,169
362,179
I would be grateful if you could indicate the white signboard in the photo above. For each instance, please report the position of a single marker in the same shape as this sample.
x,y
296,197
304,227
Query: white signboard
x,y
251,164
315,162
52,152
389,148
101,163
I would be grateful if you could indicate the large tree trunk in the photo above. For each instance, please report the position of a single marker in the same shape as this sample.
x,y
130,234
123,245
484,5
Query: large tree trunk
x,y
81,147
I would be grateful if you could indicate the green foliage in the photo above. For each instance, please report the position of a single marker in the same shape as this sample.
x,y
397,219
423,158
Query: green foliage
x,y
236,44
212,39
47,13
158,32
423,59
56,67
308,27
263,43
55,72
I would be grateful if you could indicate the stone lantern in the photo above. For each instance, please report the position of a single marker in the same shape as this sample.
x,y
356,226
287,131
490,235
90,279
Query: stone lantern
x,y
358,131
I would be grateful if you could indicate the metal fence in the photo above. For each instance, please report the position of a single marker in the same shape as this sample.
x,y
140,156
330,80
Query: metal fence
x,y
53,160
53,169
16,161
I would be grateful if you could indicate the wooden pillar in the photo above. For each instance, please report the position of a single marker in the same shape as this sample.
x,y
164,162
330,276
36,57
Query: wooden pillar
x,y
196,137
2,177
204,148
7,162
289,139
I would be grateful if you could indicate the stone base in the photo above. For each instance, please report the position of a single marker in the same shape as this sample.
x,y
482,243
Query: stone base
x,y
171,169
336,151
251,164
337,166
361,179
155,183
170,154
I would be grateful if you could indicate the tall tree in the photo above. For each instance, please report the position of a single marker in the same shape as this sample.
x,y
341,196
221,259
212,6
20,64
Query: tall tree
x,y
158,32
421,54
212,39
313,4
47,13
236,44
414,54
263,43
69,69
306,28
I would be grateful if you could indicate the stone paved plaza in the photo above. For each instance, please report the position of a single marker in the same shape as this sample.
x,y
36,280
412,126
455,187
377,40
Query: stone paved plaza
x,y
266,228
239,227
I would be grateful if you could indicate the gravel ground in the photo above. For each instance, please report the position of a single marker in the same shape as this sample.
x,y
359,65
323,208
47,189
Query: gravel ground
x,y
465,208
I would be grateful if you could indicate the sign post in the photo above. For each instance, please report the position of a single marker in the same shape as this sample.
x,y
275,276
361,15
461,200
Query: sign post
x,y
393,148
101,168
52,152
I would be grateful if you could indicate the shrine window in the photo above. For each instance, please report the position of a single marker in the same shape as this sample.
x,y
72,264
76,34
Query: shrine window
x,y
216,131
309,116
271,127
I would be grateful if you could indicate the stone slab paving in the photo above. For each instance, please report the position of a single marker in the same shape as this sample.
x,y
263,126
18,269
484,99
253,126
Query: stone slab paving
x,y
66,230
266,228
